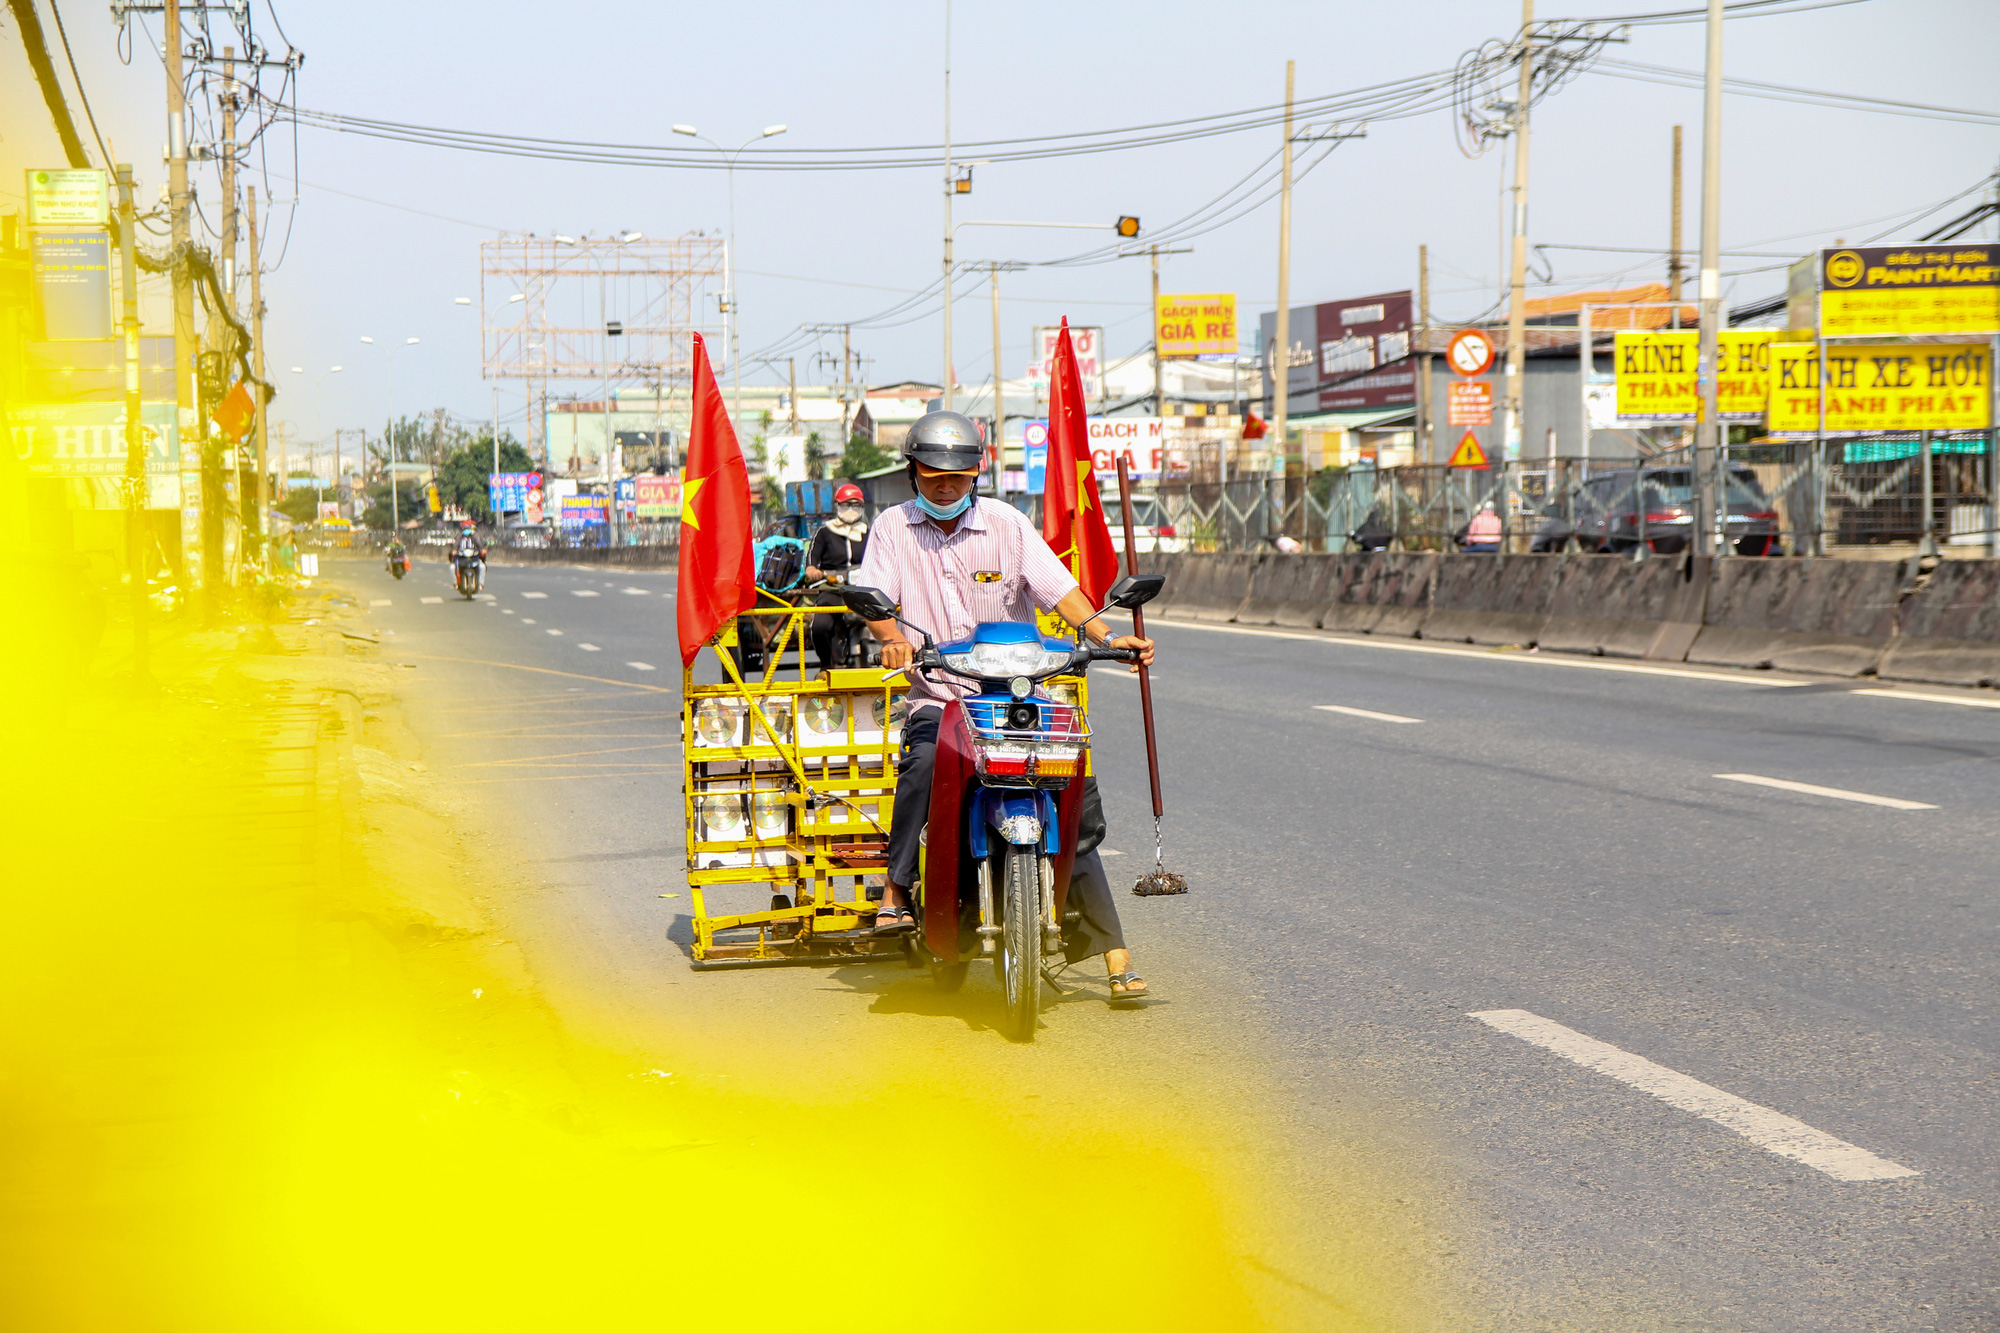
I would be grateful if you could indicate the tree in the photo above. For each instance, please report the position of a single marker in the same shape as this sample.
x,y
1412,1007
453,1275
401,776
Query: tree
x,y
463,476
864,456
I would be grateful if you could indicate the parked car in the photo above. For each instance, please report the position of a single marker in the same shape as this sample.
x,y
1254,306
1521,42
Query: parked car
x,y
1603,514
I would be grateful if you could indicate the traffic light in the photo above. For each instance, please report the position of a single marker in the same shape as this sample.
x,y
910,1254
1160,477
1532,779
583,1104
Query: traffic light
x,y
1128,227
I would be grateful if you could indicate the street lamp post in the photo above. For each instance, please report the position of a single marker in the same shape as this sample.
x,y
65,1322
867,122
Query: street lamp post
x,y
729,259
319,409
395,501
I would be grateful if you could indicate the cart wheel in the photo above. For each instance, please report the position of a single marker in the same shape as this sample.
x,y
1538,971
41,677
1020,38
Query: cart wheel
x,y
948,977
911,958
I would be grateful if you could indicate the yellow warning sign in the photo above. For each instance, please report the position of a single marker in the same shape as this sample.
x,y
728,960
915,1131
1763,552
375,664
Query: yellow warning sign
x,y
1468,453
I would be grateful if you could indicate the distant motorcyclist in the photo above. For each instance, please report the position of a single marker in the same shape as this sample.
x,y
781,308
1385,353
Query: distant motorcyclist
x,y
469,549
837,548
398,559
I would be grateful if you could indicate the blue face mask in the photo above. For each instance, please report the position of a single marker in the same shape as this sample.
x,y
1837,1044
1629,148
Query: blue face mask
x,y
946,512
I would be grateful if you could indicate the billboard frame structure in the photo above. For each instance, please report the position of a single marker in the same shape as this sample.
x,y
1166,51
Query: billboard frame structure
x,y
597,309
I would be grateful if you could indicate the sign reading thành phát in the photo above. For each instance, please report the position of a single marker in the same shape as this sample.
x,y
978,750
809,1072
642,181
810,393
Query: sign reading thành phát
x,y
1657,379
1881,387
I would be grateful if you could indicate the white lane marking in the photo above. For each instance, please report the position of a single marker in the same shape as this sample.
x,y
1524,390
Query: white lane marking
x,y
1106,851
486,597
642,666
1363,712
534,596
1897,694
556,632
1764,1127
583,592
1442,650
1837,793
508,612
637,592
381,601
526,620
590,648
431,601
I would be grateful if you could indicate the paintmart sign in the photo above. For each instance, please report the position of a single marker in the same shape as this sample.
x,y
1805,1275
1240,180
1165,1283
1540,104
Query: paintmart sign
x,y
1869,389
1658,381
79,198
1203,324
1906,290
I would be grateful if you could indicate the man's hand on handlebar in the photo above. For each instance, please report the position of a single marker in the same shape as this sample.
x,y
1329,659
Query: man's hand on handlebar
x,y
1132,642
897,654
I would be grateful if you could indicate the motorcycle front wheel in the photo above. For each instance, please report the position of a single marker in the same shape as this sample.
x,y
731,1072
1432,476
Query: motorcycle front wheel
x,y
1020,960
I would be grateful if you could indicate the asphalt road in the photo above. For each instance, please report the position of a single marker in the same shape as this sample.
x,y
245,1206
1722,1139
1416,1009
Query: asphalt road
x,y
1738,1063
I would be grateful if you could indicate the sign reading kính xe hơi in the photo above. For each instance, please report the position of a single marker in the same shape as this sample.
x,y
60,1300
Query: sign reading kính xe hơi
x,y
1195,325
69,198
1469,403
1881,387
1909,289
1659,380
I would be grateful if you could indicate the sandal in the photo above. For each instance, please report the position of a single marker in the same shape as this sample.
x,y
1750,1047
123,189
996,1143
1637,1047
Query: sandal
x,y
1127,980
892,920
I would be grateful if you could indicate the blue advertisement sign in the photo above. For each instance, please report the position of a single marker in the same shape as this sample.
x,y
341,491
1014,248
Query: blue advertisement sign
x,y
1035,454
627,491
508,491
584,511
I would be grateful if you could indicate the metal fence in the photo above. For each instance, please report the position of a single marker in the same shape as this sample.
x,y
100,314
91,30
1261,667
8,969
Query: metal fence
x,y
1836,493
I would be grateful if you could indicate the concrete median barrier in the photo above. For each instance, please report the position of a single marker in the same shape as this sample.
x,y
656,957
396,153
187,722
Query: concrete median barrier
x,y
1386,593
1611,607
1491,599
1288,590
1950,628
1214,587
1833,617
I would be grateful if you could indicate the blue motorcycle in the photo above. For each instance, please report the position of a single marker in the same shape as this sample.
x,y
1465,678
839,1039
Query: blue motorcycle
x,y
1006,798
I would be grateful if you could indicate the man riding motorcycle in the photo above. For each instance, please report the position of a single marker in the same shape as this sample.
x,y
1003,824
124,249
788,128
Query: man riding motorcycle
x,y
398,559
837,548
954,561
468,547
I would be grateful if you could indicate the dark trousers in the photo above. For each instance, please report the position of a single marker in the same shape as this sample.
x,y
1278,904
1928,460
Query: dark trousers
x,y
1097,929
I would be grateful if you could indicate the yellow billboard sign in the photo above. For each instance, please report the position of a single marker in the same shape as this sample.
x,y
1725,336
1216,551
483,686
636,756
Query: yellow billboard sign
x,y
1870,388
1201,324
1905,290
1657,379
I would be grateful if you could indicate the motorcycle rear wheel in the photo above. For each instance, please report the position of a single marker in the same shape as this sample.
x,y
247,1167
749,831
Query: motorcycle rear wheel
x,y
1019,963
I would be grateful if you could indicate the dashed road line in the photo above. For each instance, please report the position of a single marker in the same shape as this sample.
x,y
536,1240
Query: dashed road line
x,y
590,648
1764,1127
1931,698
637,592
556,632
431,601
381,601
1370,714
527,620
583,592
534,596
642,666
1837,793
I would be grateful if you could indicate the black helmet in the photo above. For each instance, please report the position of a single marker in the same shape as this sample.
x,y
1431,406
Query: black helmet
x,y
945,441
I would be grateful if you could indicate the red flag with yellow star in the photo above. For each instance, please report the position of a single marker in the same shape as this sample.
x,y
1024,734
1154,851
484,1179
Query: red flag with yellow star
x,y
1072,515
718,574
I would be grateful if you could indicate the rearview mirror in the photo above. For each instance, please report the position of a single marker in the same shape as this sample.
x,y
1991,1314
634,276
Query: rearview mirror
x,y
1135,590
871,604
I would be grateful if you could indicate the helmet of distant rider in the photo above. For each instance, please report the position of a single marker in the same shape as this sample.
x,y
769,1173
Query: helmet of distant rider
x,y
946,442
849,494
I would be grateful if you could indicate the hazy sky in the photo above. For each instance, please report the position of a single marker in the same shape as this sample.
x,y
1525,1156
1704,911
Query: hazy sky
x,y
1793,176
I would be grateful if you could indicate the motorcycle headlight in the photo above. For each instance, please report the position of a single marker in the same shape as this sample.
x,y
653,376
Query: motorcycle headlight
x,y
998,661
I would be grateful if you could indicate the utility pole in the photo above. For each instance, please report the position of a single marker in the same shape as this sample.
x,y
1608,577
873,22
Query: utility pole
x,y
1674,266
1517,283
135,430
260,499
792,390
1159,376
999,393
846,385
1280,366
1425,444
949,186
186,398
229,178
1710,430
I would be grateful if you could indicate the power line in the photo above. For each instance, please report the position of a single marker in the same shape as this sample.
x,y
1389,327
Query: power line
x,y
1686,78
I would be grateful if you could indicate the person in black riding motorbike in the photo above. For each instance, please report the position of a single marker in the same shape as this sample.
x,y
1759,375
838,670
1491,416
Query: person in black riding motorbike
x,y
836,549
954,561
469,547
395,556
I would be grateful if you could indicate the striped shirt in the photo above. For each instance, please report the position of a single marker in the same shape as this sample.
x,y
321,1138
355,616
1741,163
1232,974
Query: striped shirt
x,y
993,566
